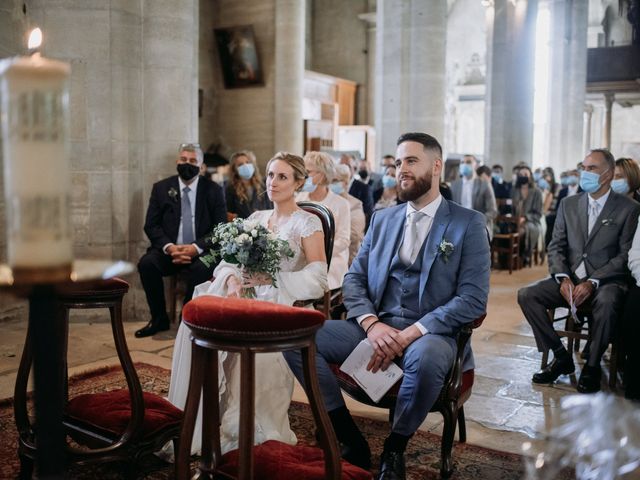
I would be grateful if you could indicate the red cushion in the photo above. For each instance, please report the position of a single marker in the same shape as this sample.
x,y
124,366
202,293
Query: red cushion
x,y
275,460
244,315
111,411
111,286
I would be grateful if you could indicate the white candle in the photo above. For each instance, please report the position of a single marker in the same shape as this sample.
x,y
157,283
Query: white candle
x,y
34,103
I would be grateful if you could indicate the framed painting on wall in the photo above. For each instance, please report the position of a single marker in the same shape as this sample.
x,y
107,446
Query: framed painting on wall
x,y
239,56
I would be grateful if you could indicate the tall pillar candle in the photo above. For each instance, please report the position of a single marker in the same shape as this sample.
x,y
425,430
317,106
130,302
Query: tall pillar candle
x,y
34,106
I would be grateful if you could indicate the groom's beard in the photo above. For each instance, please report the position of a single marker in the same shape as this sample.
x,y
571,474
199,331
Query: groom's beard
x,y
421,185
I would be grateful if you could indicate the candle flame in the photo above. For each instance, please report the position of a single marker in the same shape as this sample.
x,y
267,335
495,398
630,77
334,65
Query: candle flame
x,y
35,38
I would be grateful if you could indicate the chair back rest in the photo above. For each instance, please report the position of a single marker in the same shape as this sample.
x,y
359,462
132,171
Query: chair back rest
x,y
328,225
507,223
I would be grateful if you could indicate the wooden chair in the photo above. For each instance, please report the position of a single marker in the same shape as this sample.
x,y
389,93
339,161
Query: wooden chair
x,y
330,298
119,425
450,403
575,331
246,327
506,243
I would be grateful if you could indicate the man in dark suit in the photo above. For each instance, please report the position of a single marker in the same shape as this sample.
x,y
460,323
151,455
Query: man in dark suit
x,y
359,189
588,263
570,187
183,209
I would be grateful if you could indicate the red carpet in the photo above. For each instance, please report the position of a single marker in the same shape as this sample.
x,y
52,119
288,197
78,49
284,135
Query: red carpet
x,y
423,454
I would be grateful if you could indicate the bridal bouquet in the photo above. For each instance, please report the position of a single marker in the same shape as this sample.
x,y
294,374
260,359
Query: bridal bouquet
x,y
250,246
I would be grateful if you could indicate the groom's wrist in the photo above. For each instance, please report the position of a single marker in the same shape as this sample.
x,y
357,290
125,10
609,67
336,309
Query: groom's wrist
x,y
366,320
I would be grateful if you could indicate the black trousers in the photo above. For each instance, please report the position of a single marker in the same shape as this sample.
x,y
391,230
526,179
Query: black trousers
x,y
631,336
156,264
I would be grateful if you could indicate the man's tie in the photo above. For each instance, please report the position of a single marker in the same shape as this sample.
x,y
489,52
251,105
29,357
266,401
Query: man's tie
x,y
187,221
594,211
412,235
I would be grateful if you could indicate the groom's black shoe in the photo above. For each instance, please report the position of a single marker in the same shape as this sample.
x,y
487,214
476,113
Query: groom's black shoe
x,y
391,466
551,372
360,455
152,328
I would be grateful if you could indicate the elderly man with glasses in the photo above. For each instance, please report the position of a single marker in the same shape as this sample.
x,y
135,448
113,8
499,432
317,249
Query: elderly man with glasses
x,y
182,210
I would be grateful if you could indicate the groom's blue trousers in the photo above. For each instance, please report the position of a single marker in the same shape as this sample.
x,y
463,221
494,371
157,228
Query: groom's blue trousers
x,y
425,363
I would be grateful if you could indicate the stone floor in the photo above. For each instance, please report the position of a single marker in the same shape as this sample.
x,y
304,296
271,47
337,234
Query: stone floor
x,y
504,411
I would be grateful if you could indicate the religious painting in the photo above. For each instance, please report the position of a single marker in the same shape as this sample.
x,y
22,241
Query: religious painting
x,y
238,56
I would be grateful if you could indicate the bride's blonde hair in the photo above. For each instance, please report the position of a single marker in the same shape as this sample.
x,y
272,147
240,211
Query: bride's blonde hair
x,y
297,164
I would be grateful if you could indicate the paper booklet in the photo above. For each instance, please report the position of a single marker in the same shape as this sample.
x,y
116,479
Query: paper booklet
x,y
374,384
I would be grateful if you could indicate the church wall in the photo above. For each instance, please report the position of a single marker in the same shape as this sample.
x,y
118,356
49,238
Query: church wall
x,y
240,118
133,94
339,45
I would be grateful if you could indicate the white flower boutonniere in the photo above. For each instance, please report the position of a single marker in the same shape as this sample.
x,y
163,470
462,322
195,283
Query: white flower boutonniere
x,y
173,194
445,248
607,221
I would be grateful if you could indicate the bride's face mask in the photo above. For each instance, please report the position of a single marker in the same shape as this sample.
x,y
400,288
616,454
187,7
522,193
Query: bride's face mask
x,y
281,182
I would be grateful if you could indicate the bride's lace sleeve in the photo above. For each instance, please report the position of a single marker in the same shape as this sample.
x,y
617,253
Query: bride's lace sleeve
x,y
310,226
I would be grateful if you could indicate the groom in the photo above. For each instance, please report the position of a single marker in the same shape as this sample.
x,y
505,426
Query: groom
x,y
421,274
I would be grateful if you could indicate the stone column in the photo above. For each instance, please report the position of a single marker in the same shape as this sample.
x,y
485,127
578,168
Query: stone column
x,y
369,110
588,116
410,69
289,75
608,106
509,125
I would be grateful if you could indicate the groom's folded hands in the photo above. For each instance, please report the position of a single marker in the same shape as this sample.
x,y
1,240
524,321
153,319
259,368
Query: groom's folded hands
x,y
388,343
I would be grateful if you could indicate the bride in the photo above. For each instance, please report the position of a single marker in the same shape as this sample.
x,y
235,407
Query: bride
x,y
301,277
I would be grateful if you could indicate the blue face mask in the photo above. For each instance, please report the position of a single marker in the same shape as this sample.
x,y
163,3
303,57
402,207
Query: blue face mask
x,y
246,170
466,170
388,181
589,181
309,186
337,188
564,181
537,176
572,180
497,177
543,184
620,186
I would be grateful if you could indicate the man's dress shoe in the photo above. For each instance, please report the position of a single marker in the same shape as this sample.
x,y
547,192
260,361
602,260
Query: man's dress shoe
x,y
589,381
359,456
151,329
391,466
551,372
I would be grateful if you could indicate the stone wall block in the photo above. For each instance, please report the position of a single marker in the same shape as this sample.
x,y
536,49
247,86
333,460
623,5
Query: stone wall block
x,y
77,33
99,97
167,105
168,42
126,39
78,101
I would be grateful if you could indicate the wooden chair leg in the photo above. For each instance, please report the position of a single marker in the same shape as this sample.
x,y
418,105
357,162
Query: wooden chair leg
x,y
210,455
196,381
462,426
450,417
247,413
171,297
328,438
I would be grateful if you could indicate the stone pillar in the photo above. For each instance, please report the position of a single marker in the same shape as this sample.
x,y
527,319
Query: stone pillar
x,y
369,111
608,106
509,125
289,75
588,116
410,69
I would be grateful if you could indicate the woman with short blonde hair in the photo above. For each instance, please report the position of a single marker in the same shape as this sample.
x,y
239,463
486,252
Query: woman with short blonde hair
x,y
626,179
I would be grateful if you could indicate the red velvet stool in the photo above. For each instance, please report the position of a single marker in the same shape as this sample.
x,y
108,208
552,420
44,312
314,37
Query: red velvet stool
x,y
119,425
246,327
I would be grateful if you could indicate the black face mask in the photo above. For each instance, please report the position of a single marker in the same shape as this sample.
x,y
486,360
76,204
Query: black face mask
x,y
522,180
363,174
187,171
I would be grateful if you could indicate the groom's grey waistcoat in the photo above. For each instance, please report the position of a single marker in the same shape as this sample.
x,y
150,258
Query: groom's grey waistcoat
x,y
399,299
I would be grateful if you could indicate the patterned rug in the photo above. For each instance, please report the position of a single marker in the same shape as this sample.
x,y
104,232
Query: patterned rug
x,y
423,454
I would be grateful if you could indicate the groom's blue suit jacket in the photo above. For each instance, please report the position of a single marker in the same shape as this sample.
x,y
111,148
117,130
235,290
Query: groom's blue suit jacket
x,y
453,289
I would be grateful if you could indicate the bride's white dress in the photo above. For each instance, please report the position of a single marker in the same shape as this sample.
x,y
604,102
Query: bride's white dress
x,y
297,280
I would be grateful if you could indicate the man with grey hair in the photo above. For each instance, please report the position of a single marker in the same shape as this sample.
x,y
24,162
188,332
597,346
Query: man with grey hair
x,y
183,209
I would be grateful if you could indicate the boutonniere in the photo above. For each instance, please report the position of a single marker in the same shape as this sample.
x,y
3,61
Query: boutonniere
x,y
445,248
607,221
173,193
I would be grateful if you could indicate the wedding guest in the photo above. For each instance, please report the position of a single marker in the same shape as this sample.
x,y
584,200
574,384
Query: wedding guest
x,y
322,171
626,180
587,260
550,203
387,161
501,188
245,191
388,196
484,173
373,179
301,277
358,189
339,187
527,205
409,298
182,210
572,186
631,325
